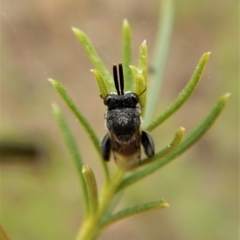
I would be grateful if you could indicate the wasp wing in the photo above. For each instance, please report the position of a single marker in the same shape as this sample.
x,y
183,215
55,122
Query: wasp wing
x,y
105,147
148,144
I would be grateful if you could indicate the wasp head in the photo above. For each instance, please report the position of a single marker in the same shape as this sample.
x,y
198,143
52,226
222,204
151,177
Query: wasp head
x,y
120,99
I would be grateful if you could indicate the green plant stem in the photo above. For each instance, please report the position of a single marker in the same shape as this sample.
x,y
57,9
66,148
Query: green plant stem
x,y
92,226
160,55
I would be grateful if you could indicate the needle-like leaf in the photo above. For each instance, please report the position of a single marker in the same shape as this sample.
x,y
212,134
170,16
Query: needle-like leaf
x,y
139,86
91,185
171,147
101,83
187,143
184,95
143,65
127,55
73,149
164,30
63,93
94,58
129,212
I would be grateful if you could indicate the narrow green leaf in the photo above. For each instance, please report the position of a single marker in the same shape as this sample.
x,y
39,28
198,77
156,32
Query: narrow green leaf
x,y
109,190
146,207
143,65
139,86
187,143
91,189
184,95
101,83
143,60
204,126
63,93
172,146
73,149
127,55
160,51
94,58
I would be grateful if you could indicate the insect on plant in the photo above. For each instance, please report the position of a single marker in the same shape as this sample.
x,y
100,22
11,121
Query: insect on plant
x,y
123,120
125,135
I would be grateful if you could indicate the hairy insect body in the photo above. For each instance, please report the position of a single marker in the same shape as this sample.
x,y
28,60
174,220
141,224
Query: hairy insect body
x,y
123,124
123,121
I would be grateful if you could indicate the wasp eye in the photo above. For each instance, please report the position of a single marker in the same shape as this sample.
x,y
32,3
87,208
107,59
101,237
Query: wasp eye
x,y
134,98
109,100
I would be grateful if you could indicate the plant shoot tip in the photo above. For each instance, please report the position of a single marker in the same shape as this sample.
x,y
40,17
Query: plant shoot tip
x,y
75,29
226,95
55,108
165,205
182,129
52,81
85,168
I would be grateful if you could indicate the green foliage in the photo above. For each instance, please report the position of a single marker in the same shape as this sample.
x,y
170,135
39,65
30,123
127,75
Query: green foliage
x,y
187,143
73,149
99,207
133,211
127,54
92,135
91,186
100,82
184,95
159,56
94,58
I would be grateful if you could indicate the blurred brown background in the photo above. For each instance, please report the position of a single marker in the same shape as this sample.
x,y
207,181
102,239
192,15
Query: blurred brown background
x,y
40,195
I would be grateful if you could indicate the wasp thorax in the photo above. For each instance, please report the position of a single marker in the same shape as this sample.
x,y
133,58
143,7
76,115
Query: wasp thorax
x,y
123,122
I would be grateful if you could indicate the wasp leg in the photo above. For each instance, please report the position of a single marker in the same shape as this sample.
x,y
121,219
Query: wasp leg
x,y
105,148
148,144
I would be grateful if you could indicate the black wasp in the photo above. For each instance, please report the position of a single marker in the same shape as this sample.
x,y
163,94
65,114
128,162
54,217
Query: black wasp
x,y
123,120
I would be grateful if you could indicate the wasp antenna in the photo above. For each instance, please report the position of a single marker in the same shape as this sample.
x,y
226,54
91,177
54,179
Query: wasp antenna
x,y
144,90
115,77
121,78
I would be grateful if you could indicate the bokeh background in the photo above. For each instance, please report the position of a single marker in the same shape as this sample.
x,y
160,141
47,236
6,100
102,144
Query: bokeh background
x,y
40,195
